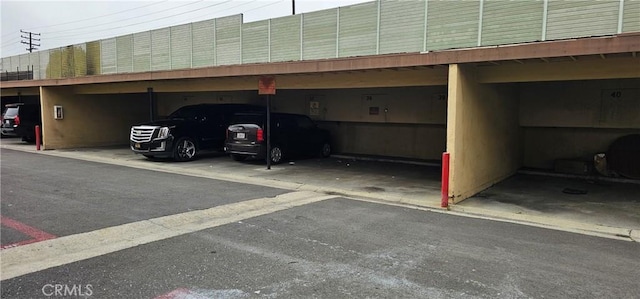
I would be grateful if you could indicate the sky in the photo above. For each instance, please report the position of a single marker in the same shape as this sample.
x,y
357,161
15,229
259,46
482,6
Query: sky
x,y
63,23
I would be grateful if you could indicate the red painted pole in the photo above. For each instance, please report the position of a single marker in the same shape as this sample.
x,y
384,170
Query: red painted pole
x,y
37,138
445,180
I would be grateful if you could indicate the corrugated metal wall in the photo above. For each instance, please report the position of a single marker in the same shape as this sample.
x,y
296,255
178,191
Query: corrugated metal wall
x,y
160,49
389,26
452,24
79,60
93,58
569,19
142,52
319,34
255,42
358,29
181,46
204,43
631,16
66,62
108,56
511,22
228,36
124,53
402,26
54,70
285,38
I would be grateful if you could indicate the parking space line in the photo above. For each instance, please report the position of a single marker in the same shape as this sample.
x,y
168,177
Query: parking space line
x,y
35,234
43,255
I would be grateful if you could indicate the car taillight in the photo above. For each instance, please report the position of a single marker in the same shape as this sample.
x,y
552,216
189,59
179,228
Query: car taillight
x,y
16,121
260,135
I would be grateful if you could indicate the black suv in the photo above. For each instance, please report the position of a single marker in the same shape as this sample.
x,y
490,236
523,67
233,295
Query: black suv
x,y
291,134
186,131
20,119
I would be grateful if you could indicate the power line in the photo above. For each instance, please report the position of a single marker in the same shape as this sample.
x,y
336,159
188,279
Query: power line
x,y
263,6
101,16
9,42
131,18
79,35
87,19
32,45
124,26
73,34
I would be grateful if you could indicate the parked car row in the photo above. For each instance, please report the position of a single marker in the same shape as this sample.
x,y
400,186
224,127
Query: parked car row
x,y
20,120
291,135
237,129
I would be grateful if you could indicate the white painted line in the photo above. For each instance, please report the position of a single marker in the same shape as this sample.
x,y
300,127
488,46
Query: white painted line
x,y
43,255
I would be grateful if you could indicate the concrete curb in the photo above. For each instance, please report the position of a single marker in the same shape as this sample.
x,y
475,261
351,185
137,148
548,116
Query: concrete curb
x,y
635,235
555,223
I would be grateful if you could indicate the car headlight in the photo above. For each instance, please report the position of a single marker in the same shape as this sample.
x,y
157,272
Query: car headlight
x,y
163,133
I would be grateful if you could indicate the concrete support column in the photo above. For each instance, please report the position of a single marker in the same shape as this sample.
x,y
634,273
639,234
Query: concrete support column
x,y
54,130
483,133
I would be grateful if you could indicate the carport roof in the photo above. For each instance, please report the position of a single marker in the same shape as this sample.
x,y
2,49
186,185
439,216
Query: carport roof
x,y
590,48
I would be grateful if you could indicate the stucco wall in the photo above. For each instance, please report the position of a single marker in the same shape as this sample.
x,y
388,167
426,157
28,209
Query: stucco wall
x,y
89,120
414,141
169,102
397,122
576,119
543,146
414,105
483,133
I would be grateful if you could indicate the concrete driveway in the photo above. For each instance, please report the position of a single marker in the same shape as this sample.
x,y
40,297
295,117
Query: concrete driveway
x,y
610,209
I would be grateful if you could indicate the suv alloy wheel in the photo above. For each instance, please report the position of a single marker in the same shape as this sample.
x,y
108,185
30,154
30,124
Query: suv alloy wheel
x,y
185,149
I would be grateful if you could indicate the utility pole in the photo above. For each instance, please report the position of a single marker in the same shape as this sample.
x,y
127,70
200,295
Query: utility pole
x,y
293,7
31,39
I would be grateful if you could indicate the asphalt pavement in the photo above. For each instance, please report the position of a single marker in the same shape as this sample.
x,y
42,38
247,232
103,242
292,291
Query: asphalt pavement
x,y
610,208
339,248
233,240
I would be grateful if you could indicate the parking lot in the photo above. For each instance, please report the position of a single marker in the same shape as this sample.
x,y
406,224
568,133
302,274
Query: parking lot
x,y
606,208
121,232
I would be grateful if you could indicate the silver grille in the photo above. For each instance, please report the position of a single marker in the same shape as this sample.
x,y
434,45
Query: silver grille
x,y
142,133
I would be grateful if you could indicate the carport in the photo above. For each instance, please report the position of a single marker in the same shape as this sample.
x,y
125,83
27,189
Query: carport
x,y
27,95
492,109
385,112
531,113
